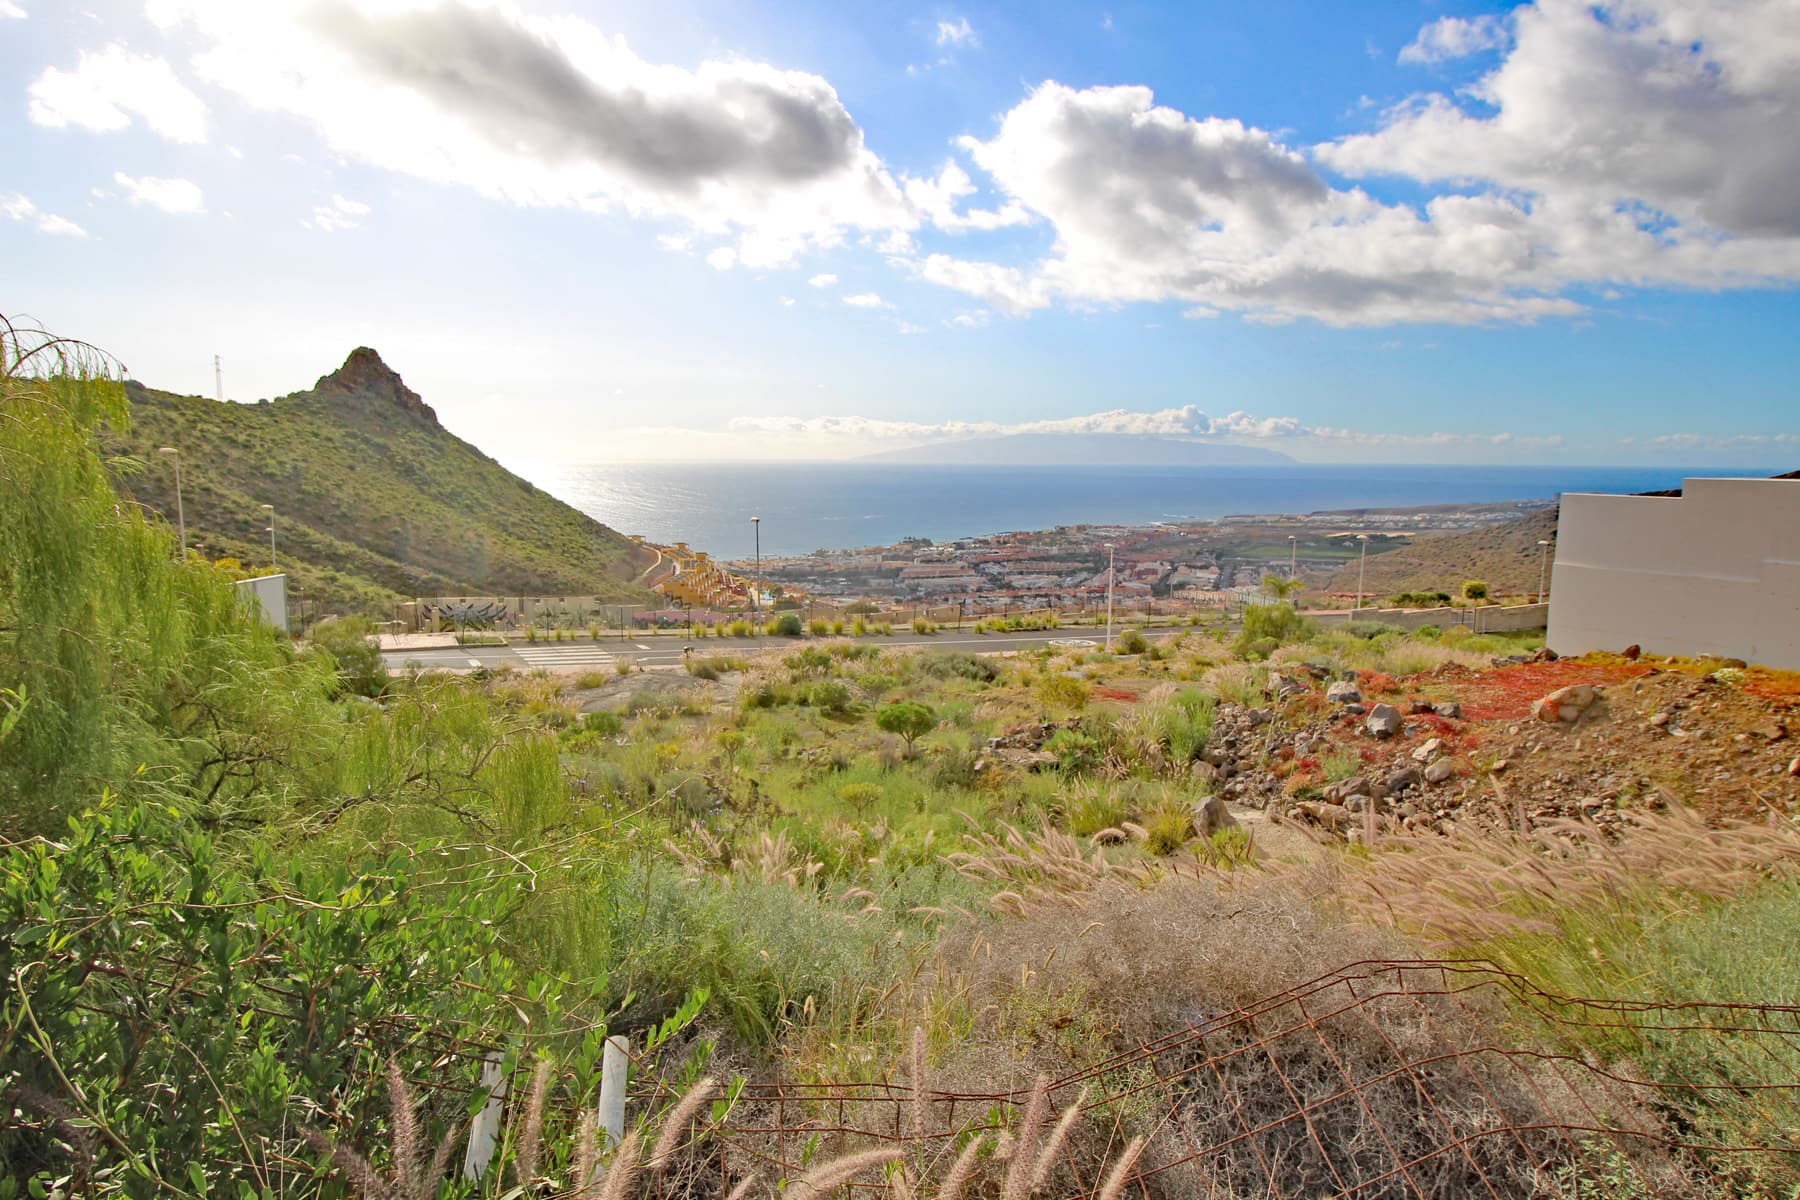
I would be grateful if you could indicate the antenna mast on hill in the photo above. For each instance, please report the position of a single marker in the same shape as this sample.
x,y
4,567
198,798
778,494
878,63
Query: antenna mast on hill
x,y
219,378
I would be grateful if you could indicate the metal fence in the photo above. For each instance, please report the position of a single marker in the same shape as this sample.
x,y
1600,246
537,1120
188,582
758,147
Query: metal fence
x,y
1403,1078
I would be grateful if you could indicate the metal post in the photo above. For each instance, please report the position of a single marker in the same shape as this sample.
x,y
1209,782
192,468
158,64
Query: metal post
x,y
756,596
615,1065
1543,568
270,509
1293,557
180,511
1360,564
1111,551
484,1130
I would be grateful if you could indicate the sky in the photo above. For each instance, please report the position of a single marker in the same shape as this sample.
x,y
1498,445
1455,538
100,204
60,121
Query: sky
x,y
1432,231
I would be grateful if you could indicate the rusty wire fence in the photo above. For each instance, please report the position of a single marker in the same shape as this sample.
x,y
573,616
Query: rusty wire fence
x,y
1382,1079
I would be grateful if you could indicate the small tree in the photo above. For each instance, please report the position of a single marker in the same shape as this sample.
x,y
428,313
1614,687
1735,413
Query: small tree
x,y
1475,589
908,718
1280,587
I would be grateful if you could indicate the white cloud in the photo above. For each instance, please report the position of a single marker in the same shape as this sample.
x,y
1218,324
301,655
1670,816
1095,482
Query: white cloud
x,y
340,214
1642,145
10,11
15,207
823,281
722,259
677,242
787,302
1455,37
1671,112
907,327
974,319
937,200
956,33
170,195
108,86
553,111
866,300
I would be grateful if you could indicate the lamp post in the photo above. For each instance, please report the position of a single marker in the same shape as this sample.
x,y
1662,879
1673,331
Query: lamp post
x,y
270,509
1293,556
756,596
1361,562
1543,568
180,512
1110,552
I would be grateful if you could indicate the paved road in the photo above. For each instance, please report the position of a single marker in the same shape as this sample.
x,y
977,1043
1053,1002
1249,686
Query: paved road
x,y
664,651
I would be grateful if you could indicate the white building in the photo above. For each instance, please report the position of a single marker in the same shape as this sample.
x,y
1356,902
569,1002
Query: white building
x,y
1714,571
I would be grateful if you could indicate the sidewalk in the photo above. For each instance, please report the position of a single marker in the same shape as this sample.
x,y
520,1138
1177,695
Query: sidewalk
x,y
415,641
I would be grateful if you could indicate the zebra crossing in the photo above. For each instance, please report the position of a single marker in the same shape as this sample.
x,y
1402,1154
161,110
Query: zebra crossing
x,y
562,654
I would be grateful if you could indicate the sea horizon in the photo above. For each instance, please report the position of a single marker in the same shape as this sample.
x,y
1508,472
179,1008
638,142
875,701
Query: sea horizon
x,y
809,506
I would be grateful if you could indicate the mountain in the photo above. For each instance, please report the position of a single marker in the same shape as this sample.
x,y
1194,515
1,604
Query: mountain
x,y
1505,556
1082,450
374,500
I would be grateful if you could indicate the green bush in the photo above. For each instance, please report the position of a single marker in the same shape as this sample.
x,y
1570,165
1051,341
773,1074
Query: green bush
x,y
1266,627
909,719
350,642
831,696
786,625
1474,589
1132,641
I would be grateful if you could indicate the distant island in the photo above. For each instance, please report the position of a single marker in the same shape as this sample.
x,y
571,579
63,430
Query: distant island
x,y
1082,450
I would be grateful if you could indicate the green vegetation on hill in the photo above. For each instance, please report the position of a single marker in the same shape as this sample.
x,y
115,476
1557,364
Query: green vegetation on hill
x,y
264,912
1504,556
374,500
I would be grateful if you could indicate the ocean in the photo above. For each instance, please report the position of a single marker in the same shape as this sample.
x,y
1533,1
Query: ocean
x,y
811,506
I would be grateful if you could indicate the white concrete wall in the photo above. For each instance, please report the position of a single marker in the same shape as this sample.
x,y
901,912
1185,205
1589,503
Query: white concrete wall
x,y
269,594
1715,571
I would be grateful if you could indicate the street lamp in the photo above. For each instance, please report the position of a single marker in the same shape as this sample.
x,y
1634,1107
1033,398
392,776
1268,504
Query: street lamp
x,y
270,509
180,512
1360,564
1110,551
1293,556
1543,568
756,596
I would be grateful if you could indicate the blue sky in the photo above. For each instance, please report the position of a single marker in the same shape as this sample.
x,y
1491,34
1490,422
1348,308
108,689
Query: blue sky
x,y
1400,232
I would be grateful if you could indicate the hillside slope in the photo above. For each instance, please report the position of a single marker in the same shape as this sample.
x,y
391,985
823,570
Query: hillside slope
x,y
374,500
1506,556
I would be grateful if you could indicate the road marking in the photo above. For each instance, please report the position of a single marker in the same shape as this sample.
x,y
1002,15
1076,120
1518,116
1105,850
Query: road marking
x,y
640,646
475,662
564,656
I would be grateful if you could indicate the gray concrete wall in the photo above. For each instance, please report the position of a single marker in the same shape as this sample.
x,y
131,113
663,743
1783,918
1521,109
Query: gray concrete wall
x,y
1715,571
1488,618
269,594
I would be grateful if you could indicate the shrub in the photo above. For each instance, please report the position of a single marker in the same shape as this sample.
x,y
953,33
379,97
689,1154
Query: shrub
x,y
1077,752
1265,624
605,723
944,664
588,680
786,625
1474,589
860,796
349,641
1169,828
740,628
1132,641
831,696
910,719
819,628
921,625
1186,724
860,628
1059,690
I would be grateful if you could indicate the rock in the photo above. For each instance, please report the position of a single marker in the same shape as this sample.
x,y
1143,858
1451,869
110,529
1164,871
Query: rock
x,y
1216,756
1383,721
1774,731
1343,692
1440,770
1794,768
1203,773
1428,751
1402,779
1450,710
1566,704
1419,708
1257,716
1211,815
1544,655
1357,804
1659,720
1631,652
1352,786
1329,816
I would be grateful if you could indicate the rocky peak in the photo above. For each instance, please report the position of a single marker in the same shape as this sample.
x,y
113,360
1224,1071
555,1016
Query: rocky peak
x,y
366,378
